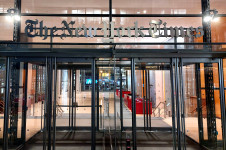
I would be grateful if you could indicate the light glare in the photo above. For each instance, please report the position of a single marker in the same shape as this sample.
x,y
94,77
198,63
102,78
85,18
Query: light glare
x,y
207,18
216,19
17,17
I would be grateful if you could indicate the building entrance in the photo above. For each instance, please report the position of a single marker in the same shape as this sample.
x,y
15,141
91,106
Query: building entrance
x,y
112,103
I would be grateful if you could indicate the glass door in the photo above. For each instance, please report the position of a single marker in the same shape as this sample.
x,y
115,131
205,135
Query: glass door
x,y
202,101
2,97
26,99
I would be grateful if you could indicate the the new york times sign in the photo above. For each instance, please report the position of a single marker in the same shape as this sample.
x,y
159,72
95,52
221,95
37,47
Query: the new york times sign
x,y
155,29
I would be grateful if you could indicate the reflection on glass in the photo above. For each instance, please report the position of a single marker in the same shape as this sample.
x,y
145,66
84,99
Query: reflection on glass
x,y
156,7
202,78
153,83
220,5
35,99
2,95
190,98
73,89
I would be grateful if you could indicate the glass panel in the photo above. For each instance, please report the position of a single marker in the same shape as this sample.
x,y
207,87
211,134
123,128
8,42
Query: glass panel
x,y
220,5
156,7
202,77
5,5
65,7
76,84
2,96
190,98
218,30
16,108
155,77
94,22
170,22
185,22
36,83
6,27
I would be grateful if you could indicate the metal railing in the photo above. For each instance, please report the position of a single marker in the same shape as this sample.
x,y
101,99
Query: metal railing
x,y
159,109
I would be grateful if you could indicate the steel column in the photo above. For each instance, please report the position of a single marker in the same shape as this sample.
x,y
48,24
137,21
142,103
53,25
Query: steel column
x,y
121,101
49,109
93,107
143,72
45,105
6,108
199,102
210,105
73,98
69,114
149,99
17,24
206,25
222,101
173,101
177,105
133,103
54,103
148,108
182,104
25,104
98,105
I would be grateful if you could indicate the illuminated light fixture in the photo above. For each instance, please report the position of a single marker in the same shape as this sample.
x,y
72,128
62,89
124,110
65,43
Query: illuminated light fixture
x,y
207,18
216,19
144,11
17,17
12,15
211,15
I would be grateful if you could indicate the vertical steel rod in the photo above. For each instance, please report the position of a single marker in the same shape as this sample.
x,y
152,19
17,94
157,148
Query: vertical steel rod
x,y
50,71
182,104
199,101
25,103
6,108
173,102
93,107
222,101
75,97
143,72
177,105
133,104
148,108
121,102
69,114
149,100
54,104
98,102
72,98
45,105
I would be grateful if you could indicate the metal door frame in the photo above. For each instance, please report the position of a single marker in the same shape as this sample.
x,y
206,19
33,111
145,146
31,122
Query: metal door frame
x,y
219,61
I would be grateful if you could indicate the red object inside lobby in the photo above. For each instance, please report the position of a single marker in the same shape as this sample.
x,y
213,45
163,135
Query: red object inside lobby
x,y
139,102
